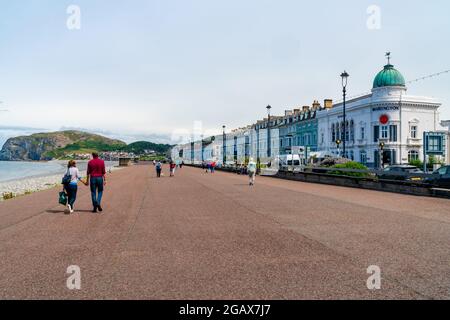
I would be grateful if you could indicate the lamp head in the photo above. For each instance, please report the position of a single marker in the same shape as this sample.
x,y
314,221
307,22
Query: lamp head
x,y
344,77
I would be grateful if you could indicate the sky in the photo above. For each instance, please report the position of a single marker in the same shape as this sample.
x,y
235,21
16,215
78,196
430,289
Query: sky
x,y
155,68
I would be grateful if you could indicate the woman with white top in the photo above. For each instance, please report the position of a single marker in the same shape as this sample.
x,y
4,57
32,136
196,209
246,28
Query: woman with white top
x,y
251,170
72,187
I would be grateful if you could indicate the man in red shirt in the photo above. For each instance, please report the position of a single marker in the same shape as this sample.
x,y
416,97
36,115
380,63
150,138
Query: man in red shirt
x,y
96,178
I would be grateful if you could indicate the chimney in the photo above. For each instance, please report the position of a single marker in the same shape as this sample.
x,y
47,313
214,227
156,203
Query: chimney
x,y
328,103
296,111
305,108
288,113
316,105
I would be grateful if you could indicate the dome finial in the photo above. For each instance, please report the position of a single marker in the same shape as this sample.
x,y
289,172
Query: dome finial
x,y
388,56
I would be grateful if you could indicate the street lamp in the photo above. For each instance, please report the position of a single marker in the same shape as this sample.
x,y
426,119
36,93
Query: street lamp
x,y
269,147
224,158
344,77
338,143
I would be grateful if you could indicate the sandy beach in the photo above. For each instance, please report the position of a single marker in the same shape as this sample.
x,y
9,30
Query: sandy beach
x,y
32,184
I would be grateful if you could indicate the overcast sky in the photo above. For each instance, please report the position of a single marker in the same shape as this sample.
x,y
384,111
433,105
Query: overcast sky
x,y
152,67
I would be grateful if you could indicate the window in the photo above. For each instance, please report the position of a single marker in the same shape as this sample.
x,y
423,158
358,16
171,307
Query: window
x,y
413,132
307,139
347,131
442,170
413,155
363,133
393,132
322,138
434,144
363,157
376,133
338,132
384,132
352,131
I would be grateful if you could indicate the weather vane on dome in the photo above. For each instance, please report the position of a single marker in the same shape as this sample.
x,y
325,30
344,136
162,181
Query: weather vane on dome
x,y
388,56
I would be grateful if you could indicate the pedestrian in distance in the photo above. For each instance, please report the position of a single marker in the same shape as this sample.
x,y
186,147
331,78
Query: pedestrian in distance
x,y
158,167
251,170
172,167
96,179
71,184
213,167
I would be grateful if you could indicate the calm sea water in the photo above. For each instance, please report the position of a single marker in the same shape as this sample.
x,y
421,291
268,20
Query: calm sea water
x,y
12,170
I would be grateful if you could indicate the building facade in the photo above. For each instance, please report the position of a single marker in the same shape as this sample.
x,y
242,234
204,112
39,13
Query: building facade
x,y
386,125
383,127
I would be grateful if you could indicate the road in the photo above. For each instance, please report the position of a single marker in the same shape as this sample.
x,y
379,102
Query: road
x,y
204,236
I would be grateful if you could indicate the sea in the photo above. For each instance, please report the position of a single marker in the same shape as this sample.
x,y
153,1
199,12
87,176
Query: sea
x,y
19,170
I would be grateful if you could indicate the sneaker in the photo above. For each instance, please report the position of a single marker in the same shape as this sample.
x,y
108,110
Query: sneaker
x,y
94,210
69,209
99,207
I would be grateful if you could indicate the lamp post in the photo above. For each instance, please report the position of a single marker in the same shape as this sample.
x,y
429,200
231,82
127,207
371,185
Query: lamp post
x,y
344,77
224,158
338,143
269,147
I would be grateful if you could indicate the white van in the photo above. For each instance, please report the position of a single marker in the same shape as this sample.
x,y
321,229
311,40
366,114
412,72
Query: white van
x,y
290,162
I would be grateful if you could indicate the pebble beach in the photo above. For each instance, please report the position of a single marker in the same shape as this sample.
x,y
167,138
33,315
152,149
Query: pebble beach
x,y
45,181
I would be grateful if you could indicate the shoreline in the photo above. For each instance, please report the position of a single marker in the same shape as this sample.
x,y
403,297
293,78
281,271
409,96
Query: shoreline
x,y
27,185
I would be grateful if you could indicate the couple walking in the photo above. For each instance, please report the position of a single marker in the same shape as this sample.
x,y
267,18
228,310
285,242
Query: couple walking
x,y
96,179
158,166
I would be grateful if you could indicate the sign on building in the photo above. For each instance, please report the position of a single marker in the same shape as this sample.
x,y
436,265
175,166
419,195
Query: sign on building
x,y
434,143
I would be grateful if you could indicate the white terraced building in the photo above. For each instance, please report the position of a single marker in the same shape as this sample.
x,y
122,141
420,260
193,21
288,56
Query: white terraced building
x,y
388,114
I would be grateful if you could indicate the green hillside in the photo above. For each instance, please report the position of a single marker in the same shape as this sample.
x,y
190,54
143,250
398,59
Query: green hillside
x,y
82,142
60,144
140,147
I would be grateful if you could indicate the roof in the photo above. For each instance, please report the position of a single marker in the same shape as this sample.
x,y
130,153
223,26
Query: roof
x,y
389,77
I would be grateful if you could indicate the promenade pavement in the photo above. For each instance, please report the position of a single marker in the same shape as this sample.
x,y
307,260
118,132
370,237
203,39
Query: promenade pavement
x,y
211,236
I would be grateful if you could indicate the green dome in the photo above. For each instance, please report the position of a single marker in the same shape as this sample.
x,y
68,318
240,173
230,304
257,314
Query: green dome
x,y
388,77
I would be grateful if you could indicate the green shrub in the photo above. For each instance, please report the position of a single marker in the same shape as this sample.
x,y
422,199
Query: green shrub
x,y
350,165
416,163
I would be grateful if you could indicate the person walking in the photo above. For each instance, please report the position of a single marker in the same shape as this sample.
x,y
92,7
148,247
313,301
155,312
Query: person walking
x,y
158,167
251,170
96,178
213,167
71,188
172,167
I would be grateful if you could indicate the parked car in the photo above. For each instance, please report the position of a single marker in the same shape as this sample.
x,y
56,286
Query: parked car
x,y
401,173
440,178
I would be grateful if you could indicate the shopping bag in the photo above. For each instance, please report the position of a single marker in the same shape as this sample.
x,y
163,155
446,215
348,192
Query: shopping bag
x,y
62,198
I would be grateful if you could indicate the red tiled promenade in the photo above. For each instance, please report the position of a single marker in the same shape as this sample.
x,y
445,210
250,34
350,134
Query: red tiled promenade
x,y
203,236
